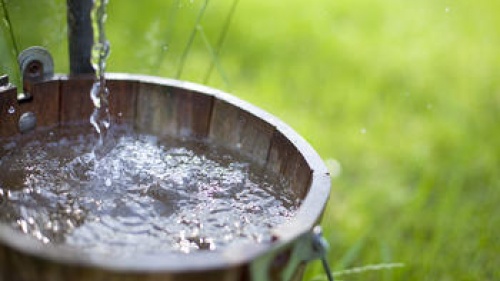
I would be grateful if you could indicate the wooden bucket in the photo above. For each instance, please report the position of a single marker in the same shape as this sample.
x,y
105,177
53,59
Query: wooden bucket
x,y
170,107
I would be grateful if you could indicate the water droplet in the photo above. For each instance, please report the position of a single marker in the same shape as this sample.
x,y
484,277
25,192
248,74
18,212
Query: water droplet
x,y
95,94
447,9
120,114
11,110
363,131
108,182
334,167
429,106
164,48
106,124
22,225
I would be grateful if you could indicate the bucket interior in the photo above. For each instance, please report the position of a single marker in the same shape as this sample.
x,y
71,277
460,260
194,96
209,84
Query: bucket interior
x,y
164,108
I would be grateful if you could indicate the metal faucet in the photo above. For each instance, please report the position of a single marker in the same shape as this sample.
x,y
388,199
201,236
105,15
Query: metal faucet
x,y
80,36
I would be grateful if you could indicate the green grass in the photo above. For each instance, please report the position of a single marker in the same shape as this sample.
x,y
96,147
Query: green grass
x,y
404,95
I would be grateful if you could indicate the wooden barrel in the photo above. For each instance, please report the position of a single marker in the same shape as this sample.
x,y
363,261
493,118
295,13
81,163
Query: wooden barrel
x,y
175,108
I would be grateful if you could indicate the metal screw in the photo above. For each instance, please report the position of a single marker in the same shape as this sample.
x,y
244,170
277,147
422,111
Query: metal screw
x,y
27,122
35,69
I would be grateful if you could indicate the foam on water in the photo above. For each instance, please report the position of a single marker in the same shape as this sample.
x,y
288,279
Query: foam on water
x,y
145,195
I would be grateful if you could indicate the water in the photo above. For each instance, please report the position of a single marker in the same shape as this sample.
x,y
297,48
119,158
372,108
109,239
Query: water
x,y
11,110
145,195
100,118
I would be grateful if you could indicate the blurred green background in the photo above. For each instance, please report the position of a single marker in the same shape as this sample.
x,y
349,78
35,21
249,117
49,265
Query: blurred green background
x,y
400,98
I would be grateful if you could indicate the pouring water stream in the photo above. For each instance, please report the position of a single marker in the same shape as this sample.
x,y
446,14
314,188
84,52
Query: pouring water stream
x,y
100,118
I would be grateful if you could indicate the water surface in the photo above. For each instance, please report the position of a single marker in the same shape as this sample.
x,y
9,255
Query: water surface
x,y
145,195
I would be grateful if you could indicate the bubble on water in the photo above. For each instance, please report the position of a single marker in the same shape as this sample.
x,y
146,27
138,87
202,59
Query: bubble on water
x,y
108,182
11,109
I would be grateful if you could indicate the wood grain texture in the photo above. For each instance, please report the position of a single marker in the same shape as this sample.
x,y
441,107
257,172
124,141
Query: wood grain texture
x,y
164,110
76,104
156,110
241,130
286,160
122,100
45,103
193,113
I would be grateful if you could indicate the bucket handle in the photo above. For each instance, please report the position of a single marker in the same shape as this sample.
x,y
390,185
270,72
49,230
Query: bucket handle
x,y
282,262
